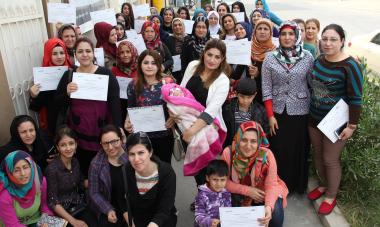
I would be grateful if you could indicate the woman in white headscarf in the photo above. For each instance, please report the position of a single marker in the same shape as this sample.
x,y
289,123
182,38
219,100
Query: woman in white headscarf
x,y
214,26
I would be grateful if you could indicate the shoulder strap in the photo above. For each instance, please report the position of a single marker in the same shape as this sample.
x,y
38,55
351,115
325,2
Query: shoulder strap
x,y
125,181
70,77
230,147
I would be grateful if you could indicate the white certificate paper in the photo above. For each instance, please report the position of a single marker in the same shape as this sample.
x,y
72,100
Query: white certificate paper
x,y
177,63
62,12
131,33
238,51
142,10
188,26
123,84
147,119
138,42
241,216
106,15
335,118
48,77
239,16
90,86
138,25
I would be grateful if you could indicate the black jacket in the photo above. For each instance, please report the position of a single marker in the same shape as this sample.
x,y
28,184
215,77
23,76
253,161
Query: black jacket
x,y
157,204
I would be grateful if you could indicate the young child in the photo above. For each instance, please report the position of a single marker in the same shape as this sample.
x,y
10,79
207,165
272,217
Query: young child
x,y
212,195
243,108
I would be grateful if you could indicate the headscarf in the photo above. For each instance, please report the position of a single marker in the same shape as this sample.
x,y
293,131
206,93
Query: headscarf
x,y
213,29
102,32
259,49
247,28
197,42
241,163
163,11
60,36
197,11
294,54
21,193
131,67
266,7
153,11
156,42
50,44
263,13
163,34
242,9
182,36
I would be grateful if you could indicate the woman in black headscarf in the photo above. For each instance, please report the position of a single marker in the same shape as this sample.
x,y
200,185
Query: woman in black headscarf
x,y
195,43
27,137
238,7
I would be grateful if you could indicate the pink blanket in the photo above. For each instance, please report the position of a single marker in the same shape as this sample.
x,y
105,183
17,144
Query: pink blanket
x,y
208,142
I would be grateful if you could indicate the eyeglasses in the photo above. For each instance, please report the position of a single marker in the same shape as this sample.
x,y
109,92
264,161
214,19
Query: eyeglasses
x,y
113,143
332,40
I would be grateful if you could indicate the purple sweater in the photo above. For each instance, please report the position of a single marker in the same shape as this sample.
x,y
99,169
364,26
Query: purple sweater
x,y
207,204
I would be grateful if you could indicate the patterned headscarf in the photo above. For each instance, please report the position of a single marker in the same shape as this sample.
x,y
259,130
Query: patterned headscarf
x,y
132,65
50,44
241,163
156,42
199,43
197,11
21,192
294,54
182,36
259,49
102,32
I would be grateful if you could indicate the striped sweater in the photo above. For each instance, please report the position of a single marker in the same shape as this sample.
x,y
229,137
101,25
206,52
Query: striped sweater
x,y
332,81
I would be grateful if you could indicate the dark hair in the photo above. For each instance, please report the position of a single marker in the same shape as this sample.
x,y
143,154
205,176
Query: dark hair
x,y
223,67
140,82
130,19
18,120
110,128
85,40
224,32
208,5
225,5
62,132
64,28
338,29
217,167
119,24
185,9
139,138
300,21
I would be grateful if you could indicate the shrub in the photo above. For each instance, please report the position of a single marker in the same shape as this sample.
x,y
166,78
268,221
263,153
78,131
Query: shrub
x,y
359,197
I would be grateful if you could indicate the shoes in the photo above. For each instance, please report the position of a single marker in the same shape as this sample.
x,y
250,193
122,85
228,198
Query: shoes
x,y
326,208
315,194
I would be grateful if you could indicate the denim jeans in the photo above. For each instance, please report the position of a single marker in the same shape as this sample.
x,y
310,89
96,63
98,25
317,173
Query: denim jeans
x,y
277,215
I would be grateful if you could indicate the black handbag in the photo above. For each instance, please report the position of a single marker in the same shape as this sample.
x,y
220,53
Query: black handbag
x,y
77,206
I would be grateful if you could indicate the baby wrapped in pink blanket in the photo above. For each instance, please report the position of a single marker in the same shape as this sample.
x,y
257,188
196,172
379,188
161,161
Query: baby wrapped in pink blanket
x,y
208,142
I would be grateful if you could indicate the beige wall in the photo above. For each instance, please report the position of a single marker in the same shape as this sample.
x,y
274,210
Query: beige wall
x,y
7,111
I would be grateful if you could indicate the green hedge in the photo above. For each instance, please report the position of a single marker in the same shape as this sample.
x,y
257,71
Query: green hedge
x,y
359,196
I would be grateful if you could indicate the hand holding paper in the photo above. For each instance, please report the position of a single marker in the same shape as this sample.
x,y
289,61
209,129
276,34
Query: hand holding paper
x,y
90,86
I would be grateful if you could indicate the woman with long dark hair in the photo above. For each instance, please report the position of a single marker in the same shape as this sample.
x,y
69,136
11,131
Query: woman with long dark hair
x,y
127,10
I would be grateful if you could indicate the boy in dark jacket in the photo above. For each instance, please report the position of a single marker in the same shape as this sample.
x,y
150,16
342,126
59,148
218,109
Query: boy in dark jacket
x,y
243,108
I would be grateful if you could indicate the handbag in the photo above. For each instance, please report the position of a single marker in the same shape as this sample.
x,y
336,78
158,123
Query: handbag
x,y
75,208
178,148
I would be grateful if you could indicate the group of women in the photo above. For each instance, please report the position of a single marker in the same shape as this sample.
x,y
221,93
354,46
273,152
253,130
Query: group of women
x,y
91,153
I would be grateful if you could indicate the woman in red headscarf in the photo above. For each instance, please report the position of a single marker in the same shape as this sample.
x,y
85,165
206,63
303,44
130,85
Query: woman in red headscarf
x,y
55,54
106,37
151,34
126,66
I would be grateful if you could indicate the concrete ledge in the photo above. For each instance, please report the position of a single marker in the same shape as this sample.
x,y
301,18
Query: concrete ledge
x,y
335,218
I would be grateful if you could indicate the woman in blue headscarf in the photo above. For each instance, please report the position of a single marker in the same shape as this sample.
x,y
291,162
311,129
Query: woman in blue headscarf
x,y
22,191
258,14
199,12
262,4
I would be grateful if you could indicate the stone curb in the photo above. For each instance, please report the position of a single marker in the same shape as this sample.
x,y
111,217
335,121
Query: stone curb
x,y
335,218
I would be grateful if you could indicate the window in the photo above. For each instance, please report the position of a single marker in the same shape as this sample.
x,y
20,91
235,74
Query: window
x,y
376,39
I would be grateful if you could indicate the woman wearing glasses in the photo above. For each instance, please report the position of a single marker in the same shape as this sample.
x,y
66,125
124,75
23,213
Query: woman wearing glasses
x,y
106,190
151,185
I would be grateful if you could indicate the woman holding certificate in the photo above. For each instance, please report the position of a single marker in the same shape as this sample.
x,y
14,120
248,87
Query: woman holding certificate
x,y
286,98
84,116
145,91
228,23
253,174
207,80
106,38
335,76
55,54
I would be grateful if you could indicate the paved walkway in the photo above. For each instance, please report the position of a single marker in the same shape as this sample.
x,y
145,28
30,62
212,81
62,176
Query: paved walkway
x,y
299,212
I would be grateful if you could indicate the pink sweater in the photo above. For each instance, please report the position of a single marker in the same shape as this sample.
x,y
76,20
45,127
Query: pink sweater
x,y
8,213
274,187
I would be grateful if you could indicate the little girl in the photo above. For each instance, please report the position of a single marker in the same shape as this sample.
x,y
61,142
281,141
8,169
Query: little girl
x,y
212,195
